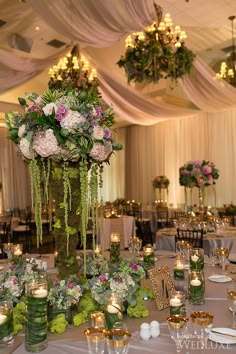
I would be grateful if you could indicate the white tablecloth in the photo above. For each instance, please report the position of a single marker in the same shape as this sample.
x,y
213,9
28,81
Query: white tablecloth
x,y
124,225
166,241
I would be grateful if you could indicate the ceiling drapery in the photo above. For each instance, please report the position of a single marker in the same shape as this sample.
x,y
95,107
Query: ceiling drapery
x,y
93,28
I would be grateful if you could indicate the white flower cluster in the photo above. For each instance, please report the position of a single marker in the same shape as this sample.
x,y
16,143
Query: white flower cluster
x,y
71,121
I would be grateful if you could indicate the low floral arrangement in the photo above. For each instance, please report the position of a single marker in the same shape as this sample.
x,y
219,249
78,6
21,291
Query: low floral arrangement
x,y
64,293
123,283
161,182
200,173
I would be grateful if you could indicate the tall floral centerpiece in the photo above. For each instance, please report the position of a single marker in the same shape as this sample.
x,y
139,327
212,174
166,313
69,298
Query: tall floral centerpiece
x,y
65,137
161,183
200,174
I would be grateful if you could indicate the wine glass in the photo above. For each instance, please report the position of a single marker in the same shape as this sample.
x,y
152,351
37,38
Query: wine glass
x,y
231,295
223,253
131,245
138,246
177,326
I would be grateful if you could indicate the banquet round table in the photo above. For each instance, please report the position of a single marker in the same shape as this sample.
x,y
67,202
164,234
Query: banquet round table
x,y
73,340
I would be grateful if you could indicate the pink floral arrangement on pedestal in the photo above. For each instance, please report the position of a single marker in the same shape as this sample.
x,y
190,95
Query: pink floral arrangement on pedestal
x,y
200,173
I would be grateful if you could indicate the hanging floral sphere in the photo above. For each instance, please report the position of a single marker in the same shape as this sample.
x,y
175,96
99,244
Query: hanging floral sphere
x,y
200,173
161,182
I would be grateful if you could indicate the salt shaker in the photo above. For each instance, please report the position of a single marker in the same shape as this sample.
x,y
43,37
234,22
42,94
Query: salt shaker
x,y
145,331
155,329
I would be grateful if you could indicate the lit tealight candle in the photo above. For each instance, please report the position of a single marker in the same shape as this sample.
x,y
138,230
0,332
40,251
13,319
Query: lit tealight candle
x,y
115,237
3,318
40,293
114,308
194,258
179,265
195,282
17,252
97,249
175,302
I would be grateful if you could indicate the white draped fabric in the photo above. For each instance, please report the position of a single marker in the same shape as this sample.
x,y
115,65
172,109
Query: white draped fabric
x,y
99,23
99,26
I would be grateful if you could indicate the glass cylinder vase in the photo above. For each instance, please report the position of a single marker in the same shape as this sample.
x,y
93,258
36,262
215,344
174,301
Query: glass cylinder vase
x,y
196,287
6,323
114,248
113,310
36,314
196,259
148,256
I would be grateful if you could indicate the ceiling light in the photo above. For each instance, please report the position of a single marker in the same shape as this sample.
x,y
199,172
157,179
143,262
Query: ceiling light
x,y
73,71
157,52
228,67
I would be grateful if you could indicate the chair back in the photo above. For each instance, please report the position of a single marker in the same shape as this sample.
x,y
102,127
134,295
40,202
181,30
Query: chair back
x,y
192,236
162,216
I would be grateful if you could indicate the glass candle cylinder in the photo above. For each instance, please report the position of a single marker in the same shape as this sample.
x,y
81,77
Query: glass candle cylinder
x,y
177,302
113,310
17,250
196,259
6,323
148,256
196,288
114,247
98,249
36,314
179,269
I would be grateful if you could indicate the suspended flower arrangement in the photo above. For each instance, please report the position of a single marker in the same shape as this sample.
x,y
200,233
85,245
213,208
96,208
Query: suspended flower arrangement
x,y
66,137
159,52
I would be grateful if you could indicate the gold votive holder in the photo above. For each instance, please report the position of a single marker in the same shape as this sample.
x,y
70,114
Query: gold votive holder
x,y
222,252
97,320
177,321
95,340
117,338
202,318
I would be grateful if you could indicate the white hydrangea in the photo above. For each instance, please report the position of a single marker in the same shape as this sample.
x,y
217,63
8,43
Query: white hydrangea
x,y
48,109
100,152
98,132
26,148
21,130
45,143
71,120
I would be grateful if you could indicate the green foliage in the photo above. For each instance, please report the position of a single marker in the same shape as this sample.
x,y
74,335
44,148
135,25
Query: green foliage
x,y
151,60
19,312
58,324
80,318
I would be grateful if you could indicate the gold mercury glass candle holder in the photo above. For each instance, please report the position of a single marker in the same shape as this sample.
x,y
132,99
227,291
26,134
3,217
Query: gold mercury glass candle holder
x,y
117,340
97,319
222,253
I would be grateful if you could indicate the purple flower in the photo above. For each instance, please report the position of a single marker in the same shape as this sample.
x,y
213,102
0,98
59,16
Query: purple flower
x,y
61,112
133,266
102,277
107,134
206,170
99,112
118,281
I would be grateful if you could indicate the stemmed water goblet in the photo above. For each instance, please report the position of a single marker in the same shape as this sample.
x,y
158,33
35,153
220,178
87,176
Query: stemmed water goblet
x,y
231,295
222,254
178,329
138,245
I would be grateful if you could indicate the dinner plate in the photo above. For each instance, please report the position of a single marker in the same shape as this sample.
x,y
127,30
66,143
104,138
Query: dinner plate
x,y
218,338
219,278
232,257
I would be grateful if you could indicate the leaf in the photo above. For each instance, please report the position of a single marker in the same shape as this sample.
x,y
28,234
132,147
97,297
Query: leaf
x,y
22,101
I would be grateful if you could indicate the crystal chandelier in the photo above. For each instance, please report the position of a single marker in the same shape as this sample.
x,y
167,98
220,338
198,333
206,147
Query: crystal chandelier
x,y
157,52
228,67
73,71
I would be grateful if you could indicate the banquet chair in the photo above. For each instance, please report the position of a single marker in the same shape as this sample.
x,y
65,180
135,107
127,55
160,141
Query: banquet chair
x,y
22,232
143,231
4,231
162,217
192,236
